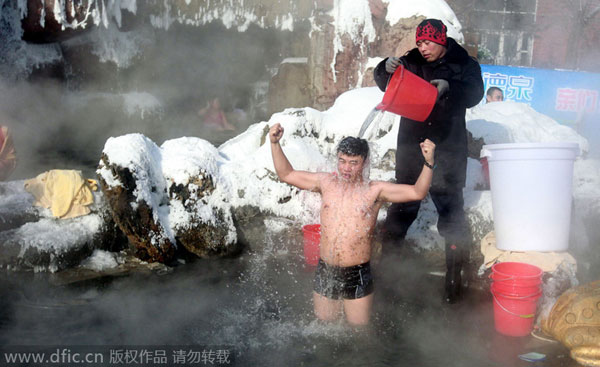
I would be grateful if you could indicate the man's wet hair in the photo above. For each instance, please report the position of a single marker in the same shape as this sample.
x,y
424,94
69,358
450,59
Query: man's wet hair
x,y
354,146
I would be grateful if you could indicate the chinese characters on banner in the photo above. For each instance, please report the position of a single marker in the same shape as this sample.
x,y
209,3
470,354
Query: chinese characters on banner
x,y
562,95
516,88
576,100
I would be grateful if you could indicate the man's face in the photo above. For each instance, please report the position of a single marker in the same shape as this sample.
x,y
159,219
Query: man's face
x,y
430,50
496,96
350,167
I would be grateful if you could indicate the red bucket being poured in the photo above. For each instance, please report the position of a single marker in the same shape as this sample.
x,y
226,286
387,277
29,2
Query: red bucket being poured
x,y
409,96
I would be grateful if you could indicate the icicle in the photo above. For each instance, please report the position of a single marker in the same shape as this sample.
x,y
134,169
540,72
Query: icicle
x,y
358,26
59,14
22,6
104,15
76,24
43,14
96,13
115,11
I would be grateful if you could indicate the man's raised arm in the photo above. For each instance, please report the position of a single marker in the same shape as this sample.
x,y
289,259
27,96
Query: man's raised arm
x,y
283,168
399,193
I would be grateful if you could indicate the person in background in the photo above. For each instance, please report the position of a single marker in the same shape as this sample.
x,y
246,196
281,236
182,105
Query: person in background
x,y
8,158
349,207
494,94
213,116
441,61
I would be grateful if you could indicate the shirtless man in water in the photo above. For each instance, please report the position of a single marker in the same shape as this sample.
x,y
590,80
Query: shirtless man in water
x,y
350,203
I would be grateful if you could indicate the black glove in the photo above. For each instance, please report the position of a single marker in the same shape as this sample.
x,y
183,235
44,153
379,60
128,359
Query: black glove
x,y
392,64
442,86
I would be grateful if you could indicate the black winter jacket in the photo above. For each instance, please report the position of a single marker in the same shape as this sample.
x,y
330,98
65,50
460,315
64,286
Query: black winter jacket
x,y
446,125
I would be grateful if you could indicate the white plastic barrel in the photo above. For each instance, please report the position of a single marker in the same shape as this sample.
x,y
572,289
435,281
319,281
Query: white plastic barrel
x,y
531,186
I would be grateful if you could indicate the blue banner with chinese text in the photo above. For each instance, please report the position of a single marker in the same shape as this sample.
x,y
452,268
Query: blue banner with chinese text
x,y
569,97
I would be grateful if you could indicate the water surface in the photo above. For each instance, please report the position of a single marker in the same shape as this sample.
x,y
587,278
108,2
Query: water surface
x,y
259,306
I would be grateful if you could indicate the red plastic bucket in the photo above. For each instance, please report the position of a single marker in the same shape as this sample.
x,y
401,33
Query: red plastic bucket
x,y
409,96
515,278
514,315
312,239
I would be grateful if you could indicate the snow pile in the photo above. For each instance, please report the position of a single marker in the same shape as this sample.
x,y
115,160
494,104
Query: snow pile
x,y
309,142
186,157
512,122
251,176
101,260
47,231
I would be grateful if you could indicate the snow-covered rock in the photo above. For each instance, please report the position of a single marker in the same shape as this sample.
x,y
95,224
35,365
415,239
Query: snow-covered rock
x,y
164,196
33,239
131,179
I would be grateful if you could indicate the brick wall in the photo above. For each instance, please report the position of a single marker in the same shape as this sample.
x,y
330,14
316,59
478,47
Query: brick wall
x,y
501,30
567,35
563,34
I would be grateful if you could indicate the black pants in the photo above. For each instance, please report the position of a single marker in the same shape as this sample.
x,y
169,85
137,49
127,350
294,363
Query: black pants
x,y
452,223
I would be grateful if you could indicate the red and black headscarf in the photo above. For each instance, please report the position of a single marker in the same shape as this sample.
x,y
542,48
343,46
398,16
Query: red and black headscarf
x,y
433,30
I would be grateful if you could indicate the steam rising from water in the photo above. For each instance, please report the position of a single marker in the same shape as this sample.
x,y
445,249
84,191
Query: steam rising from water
x,y
62,114
259,305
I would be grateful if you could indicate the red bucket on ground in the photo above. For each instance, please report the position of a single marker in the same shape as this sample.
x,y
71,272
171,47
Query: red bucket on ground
x,y
514,315
516,278
408,95
516,288
312,239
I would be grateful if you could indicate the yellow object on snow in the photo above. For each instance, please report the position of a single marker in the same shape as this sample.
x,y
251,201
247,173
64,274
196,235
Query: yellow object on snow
x,y
547,261
65,192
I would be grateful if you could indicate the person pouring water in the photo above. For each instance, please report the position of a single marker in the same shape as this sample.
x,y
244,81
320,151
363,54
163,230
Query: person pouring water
x,y
441,61
349,207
